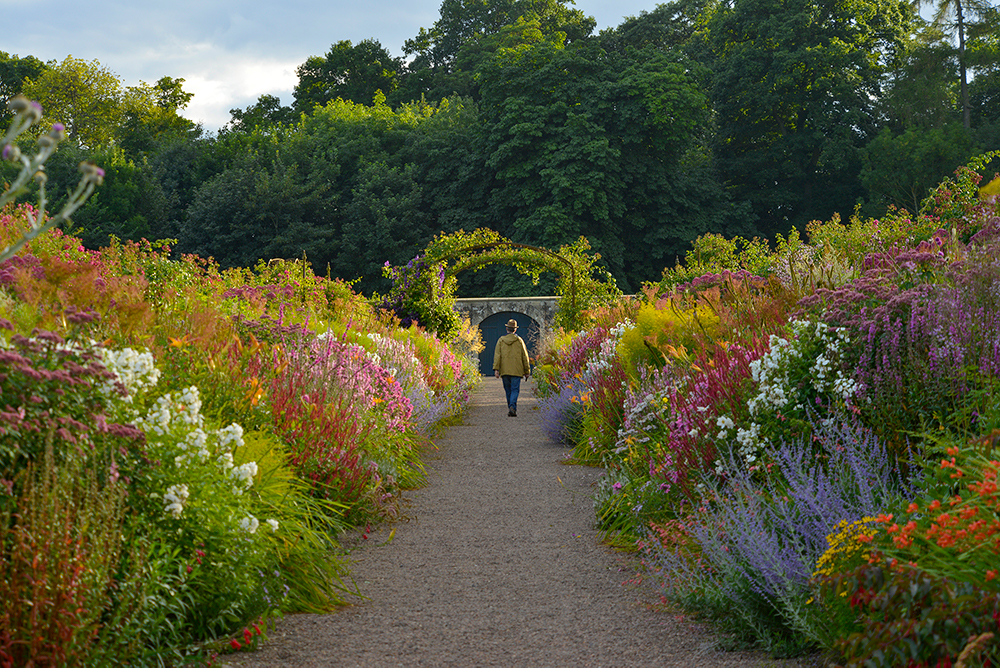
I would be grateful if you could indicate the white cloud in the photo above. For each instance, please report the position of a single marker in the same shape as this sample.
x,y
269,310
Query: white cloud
x,y
225,81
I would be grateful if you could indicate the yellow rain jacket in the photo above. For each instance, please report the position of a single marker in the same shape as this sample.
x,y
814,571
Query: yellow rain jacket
x,y
511,356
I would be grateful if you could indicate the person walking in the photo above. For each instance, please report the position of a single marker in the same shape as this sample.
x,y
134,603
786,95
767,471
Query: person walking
x,y
510,364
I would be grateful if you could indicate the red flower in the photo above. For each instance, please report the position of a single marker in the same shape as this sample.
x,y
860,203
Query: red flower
x,y
235,644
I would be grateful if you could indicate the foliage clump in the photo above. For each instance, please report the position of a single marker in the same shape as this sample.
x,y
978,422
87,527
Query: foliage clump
x,y
201,462
802,439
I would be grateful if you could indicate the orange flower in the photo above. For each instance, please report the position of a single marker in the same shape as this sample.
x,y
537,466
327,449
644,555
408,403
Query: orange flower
x,y
946,540
912,508
990,575
935,504
883,518
968,513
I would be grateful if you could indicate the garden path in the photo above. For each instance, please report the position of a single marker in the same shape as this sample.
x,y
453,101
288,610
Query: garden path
x,y
498,565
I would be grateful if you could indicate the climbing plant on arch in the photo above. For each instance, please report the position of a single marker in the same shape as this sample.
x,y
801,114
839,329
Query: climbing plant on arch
x,y
424,289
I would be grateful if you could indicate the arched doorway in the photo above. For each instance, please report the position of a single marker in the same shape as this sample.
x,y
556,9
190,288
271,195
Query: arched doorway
x,y
495,326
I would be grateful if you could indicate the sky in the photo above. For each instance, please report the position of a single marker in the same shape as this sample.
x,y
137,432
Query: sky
x,y
229,53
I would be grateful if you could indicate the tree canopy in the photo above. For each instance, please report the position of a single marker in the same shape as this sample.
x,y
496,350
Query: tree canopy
x,y
350,72
724,117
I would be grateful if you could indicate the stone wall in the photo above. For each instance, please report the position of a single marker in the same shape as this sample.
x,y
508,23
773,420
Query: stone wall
x,y
541,309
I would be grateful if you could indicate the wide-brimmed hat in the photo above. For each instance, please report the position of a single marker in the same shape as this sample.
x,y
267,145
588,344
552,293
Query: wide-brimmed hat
x,y
512,324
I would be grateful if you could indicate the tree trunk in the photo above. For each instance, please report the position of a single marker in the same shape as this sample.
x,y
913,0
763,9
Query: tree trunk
x,y
966,113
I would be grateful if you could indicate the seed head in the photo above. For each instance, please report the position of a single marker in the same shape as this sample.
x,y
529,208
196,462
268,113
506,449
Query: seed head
x,y
92,172
41,177
34,112
11,153
18,103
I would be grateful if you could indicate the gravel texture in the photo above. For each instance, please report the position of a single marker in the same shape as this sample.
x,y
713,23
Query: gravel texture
x,y
498,565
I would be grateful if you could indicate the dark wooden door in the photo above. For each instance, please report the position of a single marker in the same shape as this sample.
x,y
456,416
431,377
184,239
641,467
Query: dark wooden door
x,y
495,326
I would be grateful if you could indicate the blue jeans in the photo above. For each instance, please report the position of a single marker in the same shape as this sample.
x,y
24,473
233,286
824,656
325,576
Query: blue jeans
x,y
512,386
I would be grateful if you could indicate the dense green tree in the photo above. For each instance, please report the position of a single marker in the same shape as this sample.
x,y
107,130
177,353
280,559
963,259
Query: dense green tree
x,y
385,221
463,20
793,88
267,112
252,212
445,57
130,203
919,93
670,26
84,96
900,169
585,144
984,90
151,117
98,110
450,165
349,72
219,222
13,72
954,17
180,167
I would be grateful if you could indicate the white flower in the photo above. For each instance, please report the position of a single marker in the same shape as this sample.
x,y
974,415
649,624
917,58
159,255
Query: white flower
x,y
725,422
175,496
188,406
196,440
135,370
225,460
231,435
244,473
273,524
249,524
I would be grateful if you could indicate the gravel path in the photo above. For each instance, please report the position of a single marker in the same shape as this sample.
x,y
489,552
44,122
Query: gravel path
x,y
498,566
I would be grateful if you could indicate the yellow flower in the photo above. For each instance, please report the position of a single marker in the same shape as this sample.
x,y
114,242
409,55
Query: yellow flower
x,y
847,543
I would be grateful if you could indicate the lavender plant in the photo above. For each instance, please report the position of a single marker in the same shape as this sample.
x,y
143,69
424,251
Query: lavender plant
x,y
560,414
759,536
